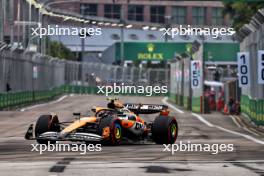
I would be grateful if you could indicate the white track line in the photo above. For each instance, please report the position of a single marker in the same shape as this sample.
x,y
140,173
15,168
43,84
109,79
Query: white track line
x,y
44,104
164,100
254,130
235,121
248,130
203,120
199,117
241,134
227,130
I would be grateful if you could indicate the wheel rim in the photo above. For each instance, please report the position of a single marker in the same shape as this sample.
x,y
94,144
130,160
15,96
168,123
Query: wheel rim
x,y
173,130
117,131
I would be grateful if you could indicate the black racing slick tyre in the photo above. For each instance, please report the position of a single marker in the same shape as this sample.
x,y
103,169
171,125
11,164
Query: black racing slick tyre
x,y
44,124
115,130
164,130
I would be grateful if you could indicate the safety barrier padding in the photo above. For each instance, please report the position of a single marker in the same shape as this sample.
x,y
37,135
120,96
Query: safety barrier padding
x,y
254,109
196,104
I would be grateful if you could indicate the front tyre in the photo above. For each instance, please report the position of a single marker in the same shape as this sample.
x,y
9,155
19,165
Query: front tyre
x,y
115,130
44,124
164,130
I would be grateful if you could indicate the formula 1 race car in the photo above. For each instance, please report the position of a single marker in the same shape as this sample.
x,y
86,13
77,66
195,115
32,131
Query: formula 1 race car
x,y
108,125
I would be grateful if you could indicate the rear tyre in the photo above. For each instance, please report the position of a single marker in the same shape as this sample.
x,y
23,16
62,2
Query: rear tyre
x,y
164,130
115,129
44,124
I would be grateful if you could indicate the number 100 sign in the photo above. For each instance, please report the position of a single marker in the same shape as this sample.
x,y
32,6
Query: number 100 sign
x,y
243,69
261,67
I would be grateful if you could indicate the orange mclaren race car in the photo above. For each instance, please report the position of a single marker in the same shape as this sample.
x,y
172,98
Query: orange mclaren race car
x,y
108,125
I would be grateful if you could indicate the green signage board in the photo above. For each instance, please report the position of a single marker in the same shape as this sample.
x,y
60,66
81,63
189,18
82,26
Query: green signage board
x,y
157,51
221,52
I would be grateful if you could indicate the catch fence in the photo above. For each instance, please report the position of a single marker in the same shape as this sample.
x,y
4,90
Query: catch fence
x,y
28,77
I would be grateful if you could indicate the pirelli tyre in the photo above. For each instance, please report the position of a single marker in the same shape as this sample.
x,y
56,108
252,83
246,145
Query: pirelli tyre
x,y
44,124
164,130
115,130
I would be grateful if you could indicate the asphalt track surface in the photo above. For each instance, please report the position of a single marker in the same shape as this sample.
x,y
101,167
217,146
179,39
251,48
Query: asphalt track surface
x,y
16,157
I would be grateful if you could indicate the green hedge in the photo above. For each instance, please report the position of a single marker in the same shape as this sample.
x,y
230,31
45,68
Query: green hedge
x,y
254,109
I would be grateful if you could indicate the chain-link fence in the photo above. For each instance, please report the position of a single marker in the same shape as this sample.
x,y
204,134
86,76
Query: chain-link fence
x,y
32,76
32,71
251,44
180,83
252,101
29,71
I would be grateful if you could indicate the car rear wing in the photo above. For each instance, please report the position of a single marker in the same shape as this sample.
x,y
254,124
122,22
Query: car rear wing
x,y
145,108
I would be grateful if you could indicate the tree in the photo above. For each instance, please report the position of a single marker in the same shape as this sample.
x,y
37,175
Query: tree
x,y
241,11
57,49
